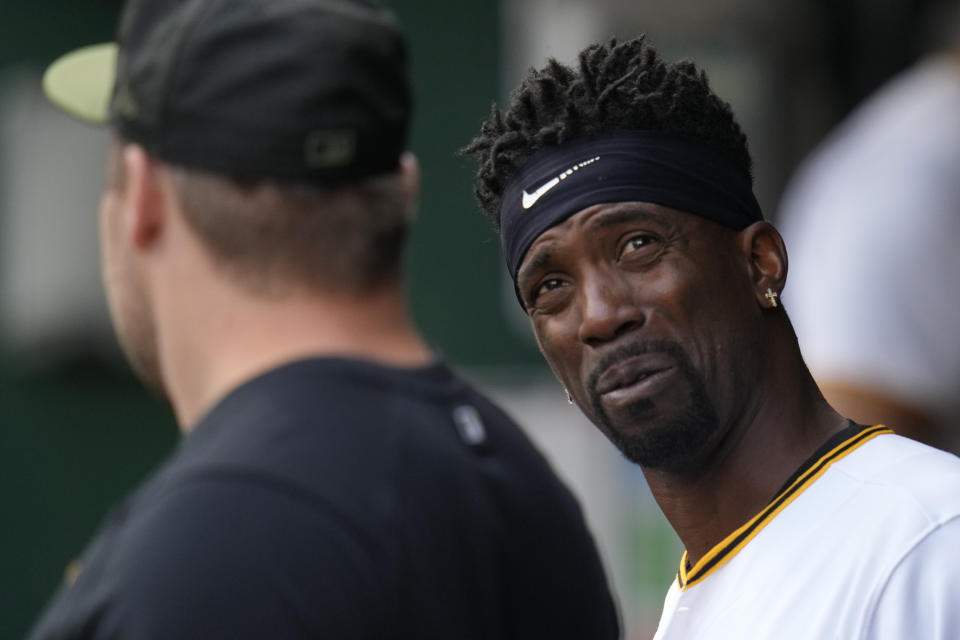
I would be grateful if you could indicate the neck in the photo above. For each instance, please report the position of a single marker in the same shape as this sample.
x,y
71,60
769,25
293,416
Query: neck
x,y
226,337
785,423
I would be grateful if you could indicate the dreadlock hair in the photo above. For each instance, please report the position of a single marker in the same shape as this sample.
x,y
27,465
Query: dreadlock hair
x,y
615,86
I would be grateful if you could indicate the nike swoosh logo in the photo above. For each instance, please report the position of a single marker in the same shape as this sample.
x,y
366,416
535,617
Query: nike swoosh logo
x,y
530,199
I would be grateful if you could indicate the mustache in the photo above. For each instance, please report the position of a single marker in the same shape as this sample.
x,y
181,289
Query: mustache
x,y
634,349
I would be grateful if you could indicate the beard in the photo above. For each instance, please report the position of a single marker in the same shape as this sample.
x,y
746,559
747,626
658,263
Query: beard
x,y
676,442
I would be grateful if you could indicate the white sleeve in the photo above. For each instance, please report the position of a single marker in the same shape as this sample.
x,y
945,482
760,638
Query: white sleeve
x,y
921,598
872,226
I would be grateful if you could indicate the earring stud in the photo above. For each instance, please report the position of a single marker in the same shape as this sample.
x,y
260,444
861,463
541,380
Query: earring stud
x,y
771,295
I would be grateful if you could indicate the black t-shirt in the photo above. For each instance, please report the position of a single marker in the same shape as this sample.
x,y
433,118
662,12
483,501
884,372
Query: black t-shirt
x,y
334,498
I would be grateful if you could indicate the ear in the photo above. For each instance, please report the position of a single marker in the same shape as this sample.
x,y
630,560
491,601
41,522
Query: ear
x,y
766,253
143,197
410,176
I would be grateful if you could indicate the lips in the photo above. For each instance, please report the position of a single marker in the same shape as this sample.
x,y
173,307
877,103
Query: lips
x,y
632,371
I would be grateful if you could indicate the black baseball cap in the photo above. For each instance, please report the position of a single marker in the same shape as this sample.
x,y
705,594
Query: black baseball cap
x,y
301,90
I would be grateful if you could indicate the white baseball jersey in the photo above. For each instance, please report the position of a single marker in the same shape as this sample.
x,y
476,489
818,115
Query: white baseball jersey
x,y
863,542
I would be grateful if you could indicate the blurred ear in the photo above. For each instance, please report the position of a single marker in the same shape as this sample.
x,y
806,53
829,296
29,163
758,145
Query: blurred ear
x,y
143,197
763,246
410,176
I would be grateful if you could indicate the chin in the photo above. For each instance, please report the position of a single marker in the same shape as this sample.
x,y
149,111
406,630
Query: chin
x,y
666,421
147,369
679,446
137,336
673,437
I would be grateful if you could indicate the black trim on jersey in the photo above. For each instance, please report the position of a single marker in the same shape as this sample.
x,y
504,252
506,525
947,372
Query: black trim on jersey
x,y
842,441
849,431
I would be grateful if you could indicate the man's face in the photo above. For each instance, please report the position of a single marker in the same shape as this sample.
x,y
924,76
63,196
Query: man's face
x,y
126,299
646,314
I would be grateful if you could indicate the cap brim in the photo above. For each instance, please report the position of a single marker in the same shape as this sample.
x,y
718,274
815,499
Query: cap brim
x,y
81,82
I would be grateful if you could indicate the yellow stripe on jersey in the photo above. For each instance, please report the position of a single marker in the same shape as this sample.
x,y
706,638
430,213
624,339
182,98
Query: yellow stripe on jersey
x,y
729,546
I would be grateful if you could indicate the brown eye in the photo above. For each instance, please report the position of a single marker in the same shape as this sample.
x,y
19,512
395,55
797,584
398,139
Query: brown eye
x,y
547,286
541,295
637,243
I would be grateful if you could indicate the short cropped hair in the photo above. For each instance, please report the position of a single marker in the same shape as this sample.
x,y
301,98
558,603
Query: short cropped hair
x,y
614,86
273,237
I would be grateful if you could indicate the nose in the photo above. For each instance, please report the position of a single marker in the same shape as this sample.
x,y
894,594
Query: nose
x,y
608,309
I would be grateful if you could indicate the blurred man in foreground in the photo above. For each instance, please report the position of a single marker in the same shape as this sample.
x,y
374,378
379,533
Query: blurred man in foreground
x,y
622,191
335,479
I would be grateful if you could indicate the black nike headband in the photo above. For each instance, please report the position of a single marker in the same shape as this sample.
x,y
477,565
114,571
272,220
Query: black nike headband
x,y
622,166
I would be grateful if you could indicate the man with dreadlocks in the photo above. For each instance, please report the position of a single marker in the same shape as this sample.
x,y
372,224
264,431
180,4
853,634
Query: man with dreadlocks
x,y
622,193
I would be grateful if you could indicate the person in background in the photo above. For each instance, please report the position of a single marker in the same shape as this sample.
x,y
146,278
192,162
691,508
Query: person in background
x,y
872,300
622,191
335,478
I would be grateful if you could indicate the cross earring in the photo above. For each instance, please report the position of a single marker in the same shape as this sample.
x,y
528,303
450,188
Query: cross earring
x,y
771,295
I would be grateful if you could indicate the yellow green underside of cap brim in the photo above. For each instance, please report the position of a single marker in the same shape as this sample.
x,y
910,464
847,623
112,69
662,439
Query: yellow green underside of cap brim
x,y
81,82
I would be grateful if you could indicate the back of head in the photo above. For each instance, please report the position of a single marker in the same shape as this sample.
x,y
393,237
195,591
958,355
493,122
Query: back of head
x,y
272,237
615,86
283,124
